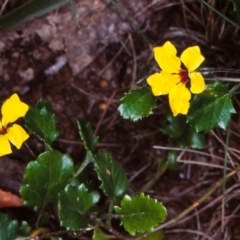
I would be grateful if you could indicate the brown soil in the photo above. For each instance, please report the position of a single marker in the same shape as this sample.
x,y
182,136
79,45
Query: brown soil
x,y
103,58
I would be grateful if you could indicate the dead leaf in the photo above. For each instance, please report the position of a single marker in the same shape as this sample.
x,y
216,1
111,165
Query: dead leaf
x,y
8,199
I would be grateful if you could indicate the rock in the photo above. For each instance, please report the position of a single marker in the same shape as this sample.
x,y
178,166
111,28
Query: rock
x,y
99,24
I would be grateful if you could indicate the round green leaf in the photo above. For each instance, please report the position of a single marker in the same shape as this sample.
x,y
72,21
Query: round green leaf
x,y
73,203
10,229
137,103
45,177
140,213
112,175
40,121
211,108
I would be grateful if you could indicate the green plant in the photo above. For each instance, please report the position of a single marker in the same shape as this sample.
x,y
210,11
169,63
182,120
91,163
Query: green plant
x,y
53,178
191,116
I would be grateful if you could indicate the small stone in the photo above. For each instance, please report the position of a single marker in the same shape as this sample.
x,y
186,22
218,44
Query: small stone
x,y
54,69
56,45
26,75
2,46
103,83
15,54
103,106
46,32
24,90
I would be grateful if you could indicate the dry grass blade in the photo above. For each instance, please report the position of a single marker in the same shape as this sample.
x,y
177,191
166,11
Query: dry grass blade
x,y
212,189
3,6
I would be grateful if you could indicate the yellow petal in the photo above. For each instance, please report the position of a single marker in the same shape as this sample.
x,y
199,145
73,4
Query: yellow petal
x,y
161,83
179,97
13,109
166,58
5,147
17,135
197,82
192,58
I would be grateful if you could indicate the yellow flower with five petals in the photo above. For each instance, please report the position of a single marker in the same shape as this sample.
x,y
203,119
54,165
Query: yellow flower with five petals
x,y
173,79
12,109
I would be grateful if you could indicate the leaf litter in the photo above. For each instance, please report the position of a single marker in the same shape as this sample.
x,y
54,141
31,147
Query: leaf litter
x,y
76,90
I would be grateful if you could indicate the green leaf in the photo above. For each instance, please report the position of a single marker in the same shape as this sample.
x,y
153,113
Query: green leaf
x,y
137,103
158,235
184,134
140,213
172,162
43,219
89,142
112,175
98,234
45,177
40,121
86,135
73,203
29,10
192,139
211,108
236,4
176,126
10,229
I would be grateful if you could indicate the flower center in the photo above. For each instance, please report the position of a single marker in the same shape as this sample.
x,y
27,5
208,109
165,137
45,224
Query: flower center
x,y
184,76
3,130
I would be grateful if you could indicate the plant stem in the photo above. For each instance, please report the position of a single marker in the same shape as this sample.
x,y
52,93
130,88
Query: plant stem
x,y
74,12
155,178
88,159
221,15
233,90
61,232
225,167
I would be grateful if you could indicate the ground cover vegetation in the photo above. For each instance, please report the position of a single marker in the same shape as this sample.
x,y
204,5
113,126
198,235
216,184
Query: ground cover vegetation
x,y
119,120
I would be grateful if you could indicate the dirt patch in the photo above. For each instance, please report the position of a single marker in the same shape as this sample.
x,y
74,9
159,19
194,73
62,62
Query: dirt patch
x,y
84,70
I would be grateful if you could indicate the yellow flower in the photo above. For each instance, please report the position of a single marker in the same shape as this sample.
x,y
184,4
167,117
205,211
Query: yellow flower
x,y
12,109
173,79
